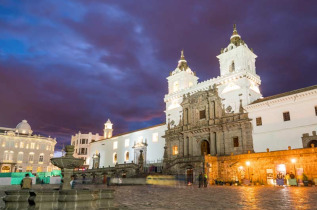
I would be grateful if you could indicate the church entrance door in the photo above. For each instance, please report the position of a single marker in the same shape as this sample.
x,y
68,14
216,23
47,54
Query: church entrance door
x,y
205,148
190,176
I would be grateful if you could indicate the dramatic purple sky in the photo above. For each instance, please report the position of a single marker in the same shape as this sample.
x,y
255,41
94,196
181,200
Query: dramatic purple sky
x,y
68,66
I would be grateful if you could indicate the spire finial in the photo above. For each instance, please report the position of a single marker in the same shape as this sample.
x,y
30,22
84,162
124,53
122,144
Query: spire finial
x,y
182,55
235,32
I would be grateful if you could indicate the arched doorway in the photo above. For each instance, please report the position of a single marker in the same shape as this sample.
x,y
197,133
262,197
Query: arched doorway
x,y
314,142
205,147
189,176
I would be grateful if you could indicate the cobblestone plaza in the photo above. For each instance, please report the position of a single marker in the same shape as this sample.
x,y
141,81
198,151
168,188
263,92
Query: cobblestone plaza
x,y
216,197
212,197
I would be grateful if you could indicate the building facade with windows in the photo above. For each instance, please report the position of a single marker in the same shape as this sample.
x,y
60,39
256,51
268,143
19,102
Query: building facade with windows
x,y
281,120
221,116
21,150
126,147
81,142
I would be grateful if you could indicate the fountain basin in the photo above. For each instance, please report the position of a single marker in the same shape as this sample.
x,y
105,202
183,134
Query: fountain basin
x,y
67,162
59,199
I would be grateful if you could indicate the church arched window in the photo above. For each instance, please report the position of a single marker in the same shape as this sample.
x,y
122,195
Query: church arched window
x,y
115,157
175,86
127,156
232,67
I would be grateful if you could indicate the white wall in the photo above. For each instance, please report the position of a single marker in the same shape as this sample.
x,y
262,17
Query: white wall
x,y
155,150
277,134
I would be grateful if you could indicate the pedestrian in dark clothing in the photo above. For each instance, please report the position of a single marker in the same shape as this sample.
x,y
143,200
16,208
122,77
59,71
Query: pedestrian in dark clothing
x,y
205,180
200,179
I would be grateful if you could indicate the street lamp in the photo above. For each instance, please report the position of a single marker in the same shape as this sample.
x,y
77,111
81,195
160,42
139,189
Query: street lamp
x,y
248,164
293,160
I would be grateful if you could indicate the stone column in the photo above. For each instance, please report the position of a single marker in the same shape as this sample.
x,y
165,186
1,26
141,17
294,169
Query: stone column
x,y
67,173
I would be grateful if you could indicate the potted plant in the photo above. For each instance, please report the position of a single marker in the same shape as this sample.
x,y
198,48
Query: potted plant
x,y
305,180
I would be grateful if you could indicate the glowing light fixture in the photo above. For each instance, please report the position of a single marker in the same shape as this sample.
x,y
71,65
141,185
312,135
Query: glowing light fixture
x,y
293,160
248,163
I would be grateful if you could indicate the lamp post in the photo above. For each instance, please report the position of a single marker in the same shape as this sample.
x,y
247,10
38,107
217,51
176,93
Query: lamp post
x,y
294,161
248,164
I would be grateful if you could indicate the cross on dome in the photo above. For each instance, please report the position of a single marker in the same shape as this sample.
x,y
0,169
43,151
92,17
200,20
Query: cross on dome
x,y
235,38
182,63
182,55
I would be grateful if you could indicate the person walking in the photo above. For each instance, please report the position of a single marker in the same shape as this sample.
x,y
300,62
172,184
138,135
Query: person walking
x,y
200,179
26,183
205,180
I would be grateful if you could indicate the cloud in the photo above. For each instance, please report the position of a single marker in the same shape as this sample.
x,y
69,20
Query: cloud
x,y
69,66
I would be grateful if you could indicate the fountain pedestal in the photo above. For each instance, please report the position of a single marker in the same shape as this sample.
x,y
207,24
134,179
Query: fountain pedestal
x,y
65,197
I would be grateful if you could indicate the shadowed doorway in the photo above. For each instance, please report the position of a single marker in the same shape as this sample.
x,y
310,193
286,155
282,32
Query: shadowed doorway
x,y
205,148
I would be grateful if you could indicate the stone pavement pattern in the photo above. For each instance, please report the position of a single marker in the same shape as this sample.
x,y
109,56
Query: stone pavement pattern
x,y
216,197
213,197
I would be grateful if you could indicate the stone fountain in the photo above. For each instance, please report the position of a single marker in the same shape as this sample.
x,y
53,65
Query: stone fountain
x,y
63,198
67,164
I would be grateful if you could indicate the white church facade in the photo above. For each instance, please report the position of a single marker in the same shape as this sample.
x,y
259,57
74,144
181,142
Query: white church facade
x,y
277,121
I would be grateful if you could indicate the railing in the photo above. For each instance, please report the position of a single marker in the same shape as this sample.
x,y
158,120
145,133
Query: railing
x,y
185,160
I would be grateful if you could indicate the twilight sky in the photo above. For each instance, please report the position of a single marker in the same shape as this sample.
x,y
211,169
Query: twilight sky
x,y
68,66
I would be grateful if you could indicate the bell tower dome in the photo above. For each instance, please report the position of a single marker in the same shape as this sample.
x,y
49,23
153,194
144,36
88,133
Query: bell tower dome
x,y
236,56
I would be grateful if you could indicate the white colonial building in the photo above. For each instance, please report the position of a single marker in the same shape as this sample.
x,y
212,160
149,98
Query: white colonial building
x,y
81,142
281,120
21,150
278,121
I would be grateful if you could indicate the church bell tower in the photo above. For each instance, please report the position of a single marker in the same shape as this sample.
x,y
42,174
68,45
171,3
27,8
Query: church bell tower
x,y
238,72
108,130
180,79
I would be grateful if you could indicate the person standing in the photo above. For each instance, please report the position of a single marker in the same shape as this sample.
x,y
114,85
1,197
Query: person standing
x,y
72,182
200,179
205,180
26,183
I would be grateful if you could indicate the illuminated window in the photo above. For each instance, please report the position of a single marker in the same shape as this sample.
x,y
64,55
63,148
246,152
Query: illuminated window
x,y
286,116
16,145
115,157
202,114
21,144
20,157
41,158
3,144
126,156
32,145
29,169
126,142
6,155
39,169
31,157
258,121
155,137
235,142
37,146
175,150
27,146
115,145
175,86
